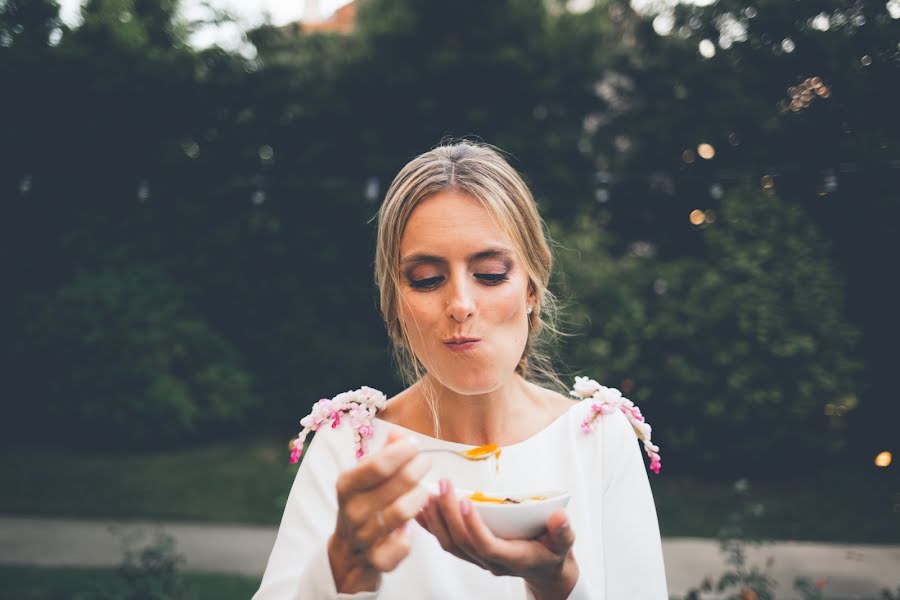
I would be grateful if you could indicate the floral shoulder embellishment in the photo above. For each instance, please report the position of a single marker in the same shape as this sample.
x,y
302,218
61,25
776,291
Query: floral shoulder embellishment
x,y
607,400
357,406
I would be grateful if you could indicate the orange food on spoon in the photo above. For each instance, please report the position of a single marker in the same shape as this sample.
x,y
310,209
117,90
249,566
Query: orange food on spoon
x,y
482,451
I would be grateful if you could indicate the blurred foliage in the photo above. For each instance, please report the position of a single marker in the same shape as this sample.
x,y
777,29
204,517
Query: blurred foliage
x,y
748,336
39,583
743,580
244,188
148,573
141,365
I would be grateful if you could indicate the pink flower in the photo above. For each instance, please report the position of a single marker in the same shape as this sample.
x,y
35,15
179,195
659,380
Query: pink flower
x,y
606,400
359,406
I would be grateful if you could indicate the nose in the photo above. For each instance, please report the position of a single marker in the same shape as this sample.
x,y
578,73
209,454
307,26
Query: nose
x,y
461,301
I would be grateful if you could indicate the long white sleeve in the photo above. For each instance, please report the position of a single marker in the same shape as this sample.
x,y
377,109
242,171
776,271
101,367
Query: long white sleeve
x,y
630,562
632,547
298,567
617,542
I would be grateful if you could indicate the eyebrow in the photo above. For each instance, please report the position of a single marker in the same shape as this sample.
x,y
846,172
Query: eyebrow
x,y
422,257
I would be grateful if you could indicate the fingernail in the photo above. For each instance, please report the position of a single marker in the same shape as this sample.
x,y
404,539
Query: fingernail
x,y
464,506
406,527
443,485
563,527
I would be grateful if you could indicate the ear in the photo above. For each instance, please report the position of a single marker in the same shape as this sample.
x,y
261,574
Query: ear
x,y
532,295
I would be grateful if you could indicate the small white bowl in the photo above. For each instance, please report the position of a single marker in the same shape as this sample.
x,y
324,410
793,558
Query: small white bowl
x,y
526,521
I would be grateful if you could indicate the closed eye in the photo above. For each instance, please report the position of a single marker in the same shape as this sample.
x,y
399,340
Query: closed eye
x,y
432,282
424,284
493,278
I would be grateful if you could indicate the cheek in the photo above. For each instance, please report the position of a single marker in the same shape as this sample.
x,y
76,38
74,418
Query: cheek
x,y
506,306
418,311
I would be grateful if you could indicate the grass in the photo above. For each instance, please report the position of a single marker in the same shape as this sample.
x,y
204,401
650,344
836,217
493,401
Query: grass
x,y
842,505
239,481
248,482
33,583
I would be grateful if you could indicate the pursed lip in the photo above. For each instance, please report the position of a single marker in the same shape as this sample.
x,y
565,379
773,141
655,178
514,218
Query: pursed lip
x,y
461,340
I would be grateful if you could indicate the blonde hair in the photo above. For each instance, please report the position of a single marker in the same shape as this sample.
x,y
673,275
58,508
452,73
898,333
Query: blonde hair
x,y
479,171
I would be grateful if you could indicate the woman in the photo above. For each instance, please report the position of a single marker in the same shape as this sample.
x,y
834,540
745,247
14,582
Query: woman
x,y
462,265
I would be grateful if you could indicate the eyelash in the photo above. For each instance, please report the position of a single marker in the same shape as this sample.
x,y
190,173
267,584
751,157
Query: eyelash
x,y
433,282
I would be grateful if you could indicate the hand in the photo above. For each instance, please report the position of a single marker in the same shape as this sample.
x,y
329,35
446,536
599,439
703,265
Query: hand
x,y
547,562
376,500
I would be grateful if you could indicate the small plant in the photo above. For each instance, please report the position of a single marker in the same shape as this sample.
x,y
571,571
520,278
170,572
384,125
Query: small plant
x,y
743,582
812,590
146,573
740,581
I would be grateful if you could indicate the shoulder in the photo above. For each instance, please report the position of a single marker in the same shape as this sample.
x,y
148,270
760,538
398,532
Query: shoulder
x,y
619,419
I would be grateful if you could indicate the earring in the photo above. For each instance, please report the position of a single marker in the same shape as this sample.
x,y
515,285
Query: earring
x,y
529,309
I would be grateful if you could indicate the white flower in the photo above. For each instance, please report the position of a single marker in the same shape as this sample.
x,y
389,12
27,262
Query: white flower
x,y
343,399
610,395
585,387
642,429
373,397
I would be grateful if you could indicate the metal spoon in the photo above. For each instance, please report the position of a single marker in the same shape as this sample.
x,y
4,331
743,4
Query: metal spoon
x,y
474,454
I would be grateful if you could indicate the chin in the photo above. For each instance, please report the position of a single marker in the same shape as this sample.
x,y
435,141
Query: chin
x,y
470,382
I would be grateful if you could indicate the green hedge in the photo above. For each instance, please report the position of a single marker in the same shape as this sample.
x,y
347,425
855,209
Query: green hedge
x,y
741,356
118,356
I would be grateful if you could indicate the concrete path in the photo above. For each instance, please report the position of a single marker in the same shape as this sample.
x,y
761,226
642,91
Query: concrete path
x,y
850,571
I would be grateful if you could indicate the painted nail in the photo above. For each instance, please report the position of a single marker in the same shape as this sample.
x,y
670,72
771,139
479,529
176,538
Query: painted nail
x,y
464,506
443,485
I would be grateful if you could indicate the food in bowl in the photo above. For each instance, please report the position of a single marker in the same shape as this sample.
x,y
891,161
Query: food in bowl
x,y
482,497
512,515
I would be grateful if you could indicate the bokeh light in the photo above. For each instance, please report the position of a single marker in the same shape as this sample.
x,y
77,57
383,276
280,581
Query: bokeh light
x,y
698,217
883,459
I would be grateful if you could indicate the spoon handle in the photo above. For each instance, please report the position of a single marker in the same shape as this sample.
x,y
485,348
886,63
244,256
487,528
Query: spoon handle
x,y
458,453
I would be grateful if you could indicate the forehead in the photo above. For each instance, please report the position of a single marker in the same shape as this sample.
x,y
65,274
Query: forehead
x,y
451,224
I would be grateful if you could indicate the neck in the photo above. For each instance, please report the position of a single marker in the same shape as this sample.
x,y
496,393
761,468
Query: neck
x,y
502,416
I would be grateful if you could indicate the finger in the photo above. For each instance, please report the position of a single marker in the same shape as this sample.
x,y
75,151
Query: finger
x,y
502,557
405,479
436,524
405,508
449,510
438,528
483,539
376,468
390,551
394,516
422,521
559,537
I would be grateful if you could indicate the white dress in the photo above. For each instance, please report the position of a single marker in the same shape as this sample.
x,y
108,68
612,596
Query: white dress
x,y
617,541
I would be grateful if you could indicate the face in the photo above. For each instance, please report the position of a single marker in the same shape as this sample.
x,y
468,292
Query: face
x,y
463,294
